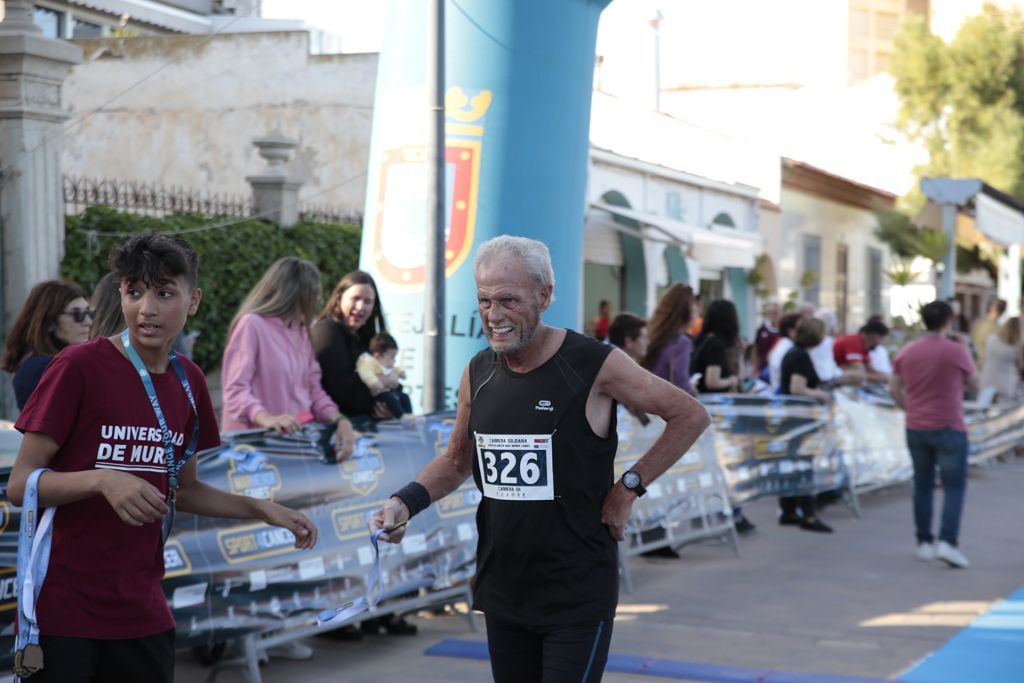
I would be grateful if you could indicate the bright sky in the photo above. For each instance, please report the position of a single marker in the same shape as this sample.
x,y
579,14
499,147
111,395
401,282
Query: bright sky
x,y
721,43
360,23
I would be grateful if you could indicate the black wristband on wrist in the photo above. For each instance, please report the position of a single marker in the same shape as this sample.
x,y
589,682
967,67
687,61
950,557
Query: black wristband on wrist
x,y
415,496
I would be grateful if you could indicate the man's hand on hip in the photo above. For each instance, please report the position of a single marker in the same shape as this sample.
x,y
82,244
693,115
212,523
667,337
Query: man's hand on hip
x,y
615,510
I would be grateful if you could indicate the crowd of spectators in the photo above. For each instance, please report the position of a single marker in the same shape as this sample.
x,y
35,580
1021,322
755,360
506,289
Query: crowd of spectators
x,y
801,350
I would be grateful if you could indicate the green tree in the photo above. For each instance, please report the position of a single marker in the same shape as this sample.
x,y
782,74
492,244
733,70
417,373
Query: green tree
x,y
233,255
964,101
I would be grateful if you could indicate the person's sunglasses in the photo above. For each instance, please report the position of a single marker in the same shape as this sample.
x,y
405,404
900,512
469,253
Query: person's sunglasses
x,y
80,314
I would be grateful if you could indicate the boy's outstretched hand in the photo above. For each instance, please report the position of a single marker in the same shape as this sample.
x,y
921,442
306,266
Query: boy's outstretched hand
x,y
294,521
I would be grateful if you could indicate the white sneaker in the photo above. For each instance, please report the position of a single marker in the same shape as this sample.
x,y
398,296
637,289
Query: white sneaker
x,y
951,555
925,552
293,650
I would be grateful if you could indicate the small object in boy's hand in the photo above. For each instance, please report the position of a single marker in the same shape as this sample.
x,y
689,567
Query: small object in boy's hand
x,y
396,527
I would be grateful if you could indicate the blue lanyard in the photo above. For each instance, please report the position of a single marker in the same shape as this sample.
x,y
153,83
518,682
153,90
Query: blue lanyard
x,y
173,466
361,604
33,559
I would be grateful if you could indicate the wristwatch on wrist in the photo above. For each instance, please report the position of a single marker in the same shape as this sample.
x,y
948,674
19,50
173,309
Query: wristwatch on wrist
x,y
631,481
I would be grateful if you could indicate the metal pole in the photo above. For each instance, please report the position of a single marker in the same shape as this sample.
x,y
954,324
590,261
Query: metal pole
x,y
655,23
437,218
946,288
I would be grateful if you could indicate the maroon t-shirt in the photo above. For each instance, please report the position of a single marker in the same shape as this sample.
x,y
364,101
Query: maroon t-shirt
x,y
104,576
934,372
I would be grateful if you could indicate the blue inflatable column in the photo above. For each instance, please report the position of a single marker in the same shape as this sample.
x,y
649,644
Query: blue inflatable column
x,y
519,79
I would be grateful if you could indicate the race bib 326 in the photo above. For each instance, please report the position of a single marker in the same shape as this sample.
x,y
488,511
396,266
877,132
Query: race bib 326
x,y
516,466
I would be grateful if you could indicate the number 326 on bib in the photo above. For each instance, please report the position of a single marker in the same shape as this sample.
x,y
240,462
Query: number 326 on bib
x,y
515,466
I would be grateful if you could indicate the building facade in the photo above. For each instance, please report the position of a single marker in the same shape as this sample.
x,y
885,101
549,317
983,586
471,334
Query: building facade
x,y
70,19
192,125
823,247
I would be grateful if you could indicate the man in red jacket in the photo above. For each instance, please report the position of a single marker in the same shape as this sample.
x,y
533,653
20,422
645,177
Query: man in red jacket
x,y
851,350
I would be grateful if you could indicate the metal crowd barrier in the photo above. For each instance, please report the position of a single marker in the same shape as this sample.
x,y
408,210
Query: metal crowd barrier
x,y
687,503
778,446
228,580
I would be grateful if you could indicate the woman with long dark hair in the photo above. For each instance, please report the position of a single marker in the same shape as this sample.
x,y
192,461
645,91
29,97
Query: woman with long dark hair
x,y
670,348
799,378
350,318
716,355
716,359
56,314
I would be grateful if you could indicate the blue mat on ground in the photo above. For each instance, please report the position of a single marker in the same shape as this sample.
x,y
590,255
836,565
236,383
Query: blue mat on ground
x,y
991,648
666,668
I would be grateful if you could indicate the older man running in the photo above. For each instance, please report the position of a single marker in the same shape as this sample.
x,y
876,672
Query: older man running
x,y
536,428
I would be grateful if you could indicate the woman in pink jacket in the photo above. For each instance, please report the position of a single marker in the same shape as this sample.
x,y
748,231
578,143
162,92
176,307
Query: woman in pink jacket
x,y
271,377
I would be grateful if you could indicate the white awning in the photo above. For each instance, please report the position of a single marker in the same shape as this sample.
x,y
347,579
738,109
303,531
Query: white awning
x,y
1002,224
720,248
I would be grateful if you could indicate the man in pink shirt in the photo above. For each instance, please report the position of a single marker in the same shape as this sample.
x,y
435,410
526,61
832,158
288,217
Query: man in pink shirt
x,y
928,381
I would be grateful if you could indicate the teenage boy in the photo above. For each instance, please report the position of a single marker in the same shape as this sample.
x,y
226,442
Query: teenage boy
x,y
101,611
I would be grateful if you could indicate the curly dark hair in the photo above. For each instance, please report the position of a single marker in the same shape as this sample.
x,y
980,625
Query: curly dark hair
x,y
155,258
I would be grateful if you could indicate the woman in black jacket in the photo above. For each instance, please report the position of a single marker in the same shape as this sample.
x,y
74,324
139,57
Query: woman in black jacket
x,y
342,332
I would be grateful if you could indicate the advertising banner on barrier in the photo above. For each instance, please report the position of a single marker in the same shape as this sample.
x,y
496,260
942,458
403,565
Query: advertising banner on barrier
x,y
225,577
873,440
995,430
775,446
872,434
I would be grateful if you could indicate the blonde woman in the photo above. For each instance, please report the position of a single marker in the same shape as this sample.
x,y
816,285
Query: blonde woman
x,y
1004,360
106,301
270,375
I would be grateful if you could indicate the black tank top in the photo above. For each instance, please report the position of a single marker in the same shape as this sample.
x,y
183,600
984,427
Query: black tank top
x,y
543,556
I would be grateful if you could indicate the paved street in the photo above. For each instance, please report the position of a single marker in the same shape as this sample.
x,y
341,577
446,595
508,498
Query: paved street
x,y
856,602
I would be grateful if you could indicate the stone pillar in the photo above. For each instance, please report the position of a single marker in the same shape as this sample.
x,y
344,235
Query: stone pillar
x,y
275,196
32,71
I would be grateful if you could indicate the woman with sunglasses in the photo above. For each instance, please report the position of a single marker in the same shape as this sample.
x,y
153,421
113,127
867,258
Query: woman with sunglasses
x,y
56,314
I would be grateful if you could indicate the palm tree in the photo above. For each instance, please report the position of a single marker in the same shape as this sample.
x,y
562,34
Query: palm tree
x,y
902,272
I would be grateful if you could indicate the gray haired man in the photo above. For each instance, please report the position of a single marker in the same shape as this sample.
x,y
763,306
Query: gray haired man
x,y
535,428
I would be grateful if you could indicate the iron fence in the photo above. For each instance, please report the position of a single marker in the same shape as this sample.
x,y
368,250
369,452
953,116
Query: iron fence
x,y
152,199
148,199
321,213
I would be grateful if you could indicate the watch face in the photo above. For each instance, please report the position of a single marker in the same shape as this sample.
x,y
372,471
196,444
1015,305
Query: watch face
x,y
631,480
